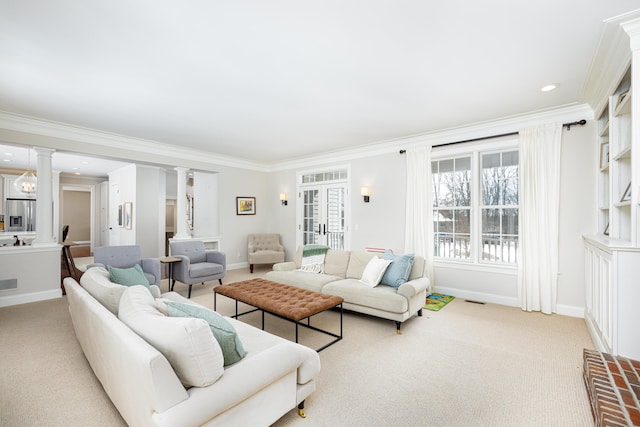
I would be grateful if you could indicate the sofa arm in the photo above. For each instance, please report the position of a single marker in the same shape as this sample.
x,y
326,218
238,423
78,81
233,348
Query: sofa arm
x,y
217,257
284,266
96,264
238,383
413,287
152,266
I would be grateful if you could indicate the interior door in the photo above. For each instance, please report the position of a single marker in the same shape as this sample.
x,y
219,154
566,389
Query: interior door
x,y
324,209
115,215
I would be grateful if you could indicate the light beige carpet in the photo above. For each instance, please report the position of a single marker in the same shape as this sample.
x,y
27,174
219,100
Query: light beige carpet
x,y
467,365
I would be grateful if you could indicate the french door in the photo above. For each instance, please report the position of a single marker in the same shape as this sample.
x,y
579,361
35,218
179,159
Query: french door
x,y
324,215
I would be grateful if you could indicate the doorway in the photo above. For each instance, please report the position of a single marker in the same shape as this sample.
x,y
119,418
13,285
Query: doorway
x,y
77,212
324,209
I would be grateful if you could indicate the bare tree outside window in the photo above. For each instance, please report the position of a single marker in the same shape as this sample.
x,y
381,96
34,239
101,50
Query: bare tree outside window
x,y
453,208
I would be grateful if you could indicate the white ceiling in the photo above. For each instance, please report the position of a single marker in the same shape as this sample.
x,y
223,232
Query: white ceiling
x,y
269,81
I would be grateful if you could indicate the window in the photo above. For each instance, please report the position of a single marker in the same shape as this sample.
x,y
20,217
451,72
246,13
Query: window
x,y
475,206
500,207
452,207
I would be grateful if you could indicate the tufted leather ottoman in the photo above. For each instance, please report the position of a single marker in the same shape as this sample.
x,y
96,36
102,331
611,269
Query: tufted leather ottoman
x,y
288,302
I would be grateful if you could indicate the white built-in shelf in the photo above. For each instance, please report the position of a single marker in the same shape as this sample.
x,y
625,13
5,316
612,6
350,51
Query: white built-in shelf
x,y
623,204
605,129
605,168
624,106
624,154
605,208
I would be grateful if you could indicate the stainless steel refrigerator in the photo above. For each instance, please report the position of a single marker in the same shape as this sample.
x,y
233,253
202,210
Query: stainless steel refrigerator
x,y
20,215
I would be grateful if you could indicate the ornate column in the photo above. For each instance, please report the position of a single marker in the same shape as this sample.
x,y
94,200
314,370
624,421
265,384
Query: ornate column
x,y
44,200
181,205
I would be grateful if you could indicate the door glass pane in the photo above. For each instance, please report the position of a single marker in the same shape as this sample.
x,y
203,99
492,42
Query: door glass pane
x,y
335,218
310,217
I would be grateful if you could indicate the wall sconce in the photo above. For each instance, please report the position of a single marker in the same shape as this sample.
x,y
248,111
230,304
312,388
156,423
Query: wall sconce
x,y
283,199
365,192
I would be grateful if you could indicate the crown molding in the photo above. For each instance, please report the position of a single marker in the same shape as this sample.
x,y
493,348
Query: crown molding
x,y
26,130
611,59
508,124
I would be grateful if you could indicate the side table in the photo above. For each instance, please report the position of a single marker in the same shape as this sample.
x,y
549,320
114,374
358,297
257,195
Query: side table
x,y
170,260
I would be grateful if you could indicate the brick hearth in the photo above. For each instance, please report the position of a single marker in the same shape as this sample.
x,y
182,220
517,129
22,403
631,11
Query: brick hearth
x,y
613,385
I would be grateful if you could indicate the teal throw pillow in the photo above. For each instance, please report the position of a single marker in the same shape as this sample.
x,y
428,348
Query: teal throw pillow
x,y
398,271
128,276
223,331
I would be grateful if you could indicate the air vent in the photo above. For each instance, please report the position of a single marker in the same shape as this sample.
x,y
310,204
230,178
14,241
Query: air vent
x,y
8,284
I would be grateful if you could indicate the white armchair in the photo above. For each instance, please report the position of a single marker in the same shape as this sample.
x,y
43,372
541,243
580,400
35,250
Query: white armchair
x,y
264,248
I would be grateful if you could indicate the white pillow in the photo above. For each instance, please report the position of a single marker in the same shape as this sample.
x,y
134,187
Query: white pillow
x,y
97,282
374,271
186,342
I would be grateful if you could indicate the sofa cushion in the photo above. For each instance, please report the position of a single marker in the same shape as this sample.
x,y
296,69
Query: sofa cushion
x,y
202,269
374,271
302,279
357,262
97,282
417,271
398,271
223,332
186,342
382,297
336,263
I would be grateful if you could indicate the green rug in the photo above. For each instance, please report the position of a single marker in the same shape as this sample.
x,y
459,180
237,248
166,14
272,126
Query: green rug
x,y
436,301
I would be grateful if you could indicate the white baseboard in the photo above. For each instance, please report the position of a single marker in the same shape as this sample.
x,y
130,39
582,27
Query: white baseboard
x,y
477,296
30,297
595,337
237,266
564,310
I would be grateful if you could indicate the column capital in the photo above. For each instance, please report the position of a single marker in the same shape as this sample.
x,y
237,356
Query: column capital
x,y
181,169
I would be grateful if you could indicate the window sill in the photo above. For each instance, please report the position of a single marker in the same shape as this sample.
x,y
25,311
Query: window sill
x,y
510,270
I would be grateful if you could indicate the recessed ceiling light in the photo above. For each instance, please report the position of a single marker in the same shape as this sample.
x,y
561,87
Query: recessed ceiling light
x,y
77,173
550,87
8,154
85,163
75,169
6,160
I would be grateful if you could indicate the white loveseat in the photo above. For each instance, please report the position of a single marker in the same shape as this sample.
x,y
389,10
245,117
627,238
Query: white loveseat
x,y
340,276
273,378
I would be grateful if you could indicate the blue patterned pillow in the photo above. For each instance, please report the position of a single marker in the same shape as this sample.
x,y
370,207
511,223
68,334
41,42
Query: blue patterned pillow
x,y
222,330
398,271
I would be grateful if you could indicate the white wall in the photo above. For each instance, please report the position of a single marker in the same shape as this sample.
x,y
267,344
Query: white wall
x,y
380,223
206,216
234,182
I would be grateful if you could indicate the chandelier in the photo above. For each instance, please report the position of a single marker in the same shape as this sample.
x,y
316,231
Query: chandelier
x,y
26,183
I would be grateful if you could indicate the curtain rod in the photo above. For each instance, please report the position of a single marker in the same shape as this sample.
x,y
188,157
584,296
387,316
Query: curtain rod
x,y
567,125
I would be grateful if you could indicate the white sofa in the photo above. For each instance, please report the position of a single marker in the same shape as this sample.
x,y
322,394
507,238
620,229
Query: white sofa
x,y
341,274
274,377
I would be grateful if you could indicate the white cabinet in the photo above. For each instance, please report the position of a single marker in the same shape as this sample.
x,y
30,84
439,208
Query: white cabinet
x,y
612,294
612,256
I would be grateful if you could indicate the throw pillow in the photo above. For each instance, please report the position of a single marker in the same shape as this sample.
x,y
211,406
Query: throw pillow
x,y
187,343
128,276
398,271
223,331
374,270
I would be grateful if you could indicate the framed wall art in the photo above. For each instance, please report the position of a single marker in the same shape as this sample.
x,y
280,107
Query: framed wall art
x,y
245,205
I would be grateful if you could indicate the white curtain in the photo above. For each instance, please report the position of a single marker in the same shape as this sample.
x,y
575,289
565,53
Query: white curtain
x,y
419,210
539,210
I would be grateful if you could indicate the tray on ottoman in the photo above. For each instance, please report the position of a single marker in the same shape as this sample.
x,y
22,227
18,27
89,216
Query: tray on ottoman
x,y
284,301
